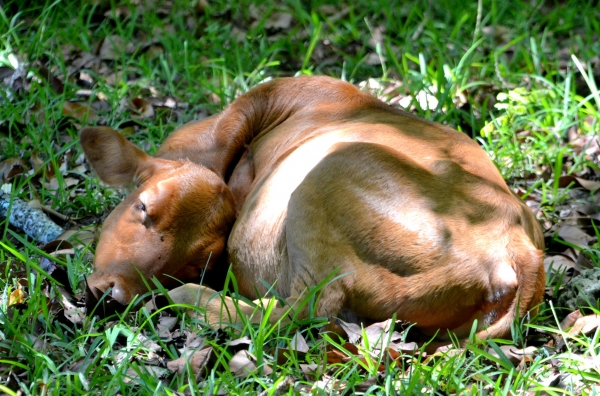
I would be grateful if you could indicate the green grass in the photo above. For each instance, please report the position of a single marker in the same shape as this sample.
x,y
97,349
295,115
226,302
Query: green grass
x,y
518,93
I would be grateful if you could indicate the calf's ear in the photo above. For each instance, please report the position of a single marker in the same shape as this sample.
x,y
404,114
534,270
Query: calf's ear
x,y
114,158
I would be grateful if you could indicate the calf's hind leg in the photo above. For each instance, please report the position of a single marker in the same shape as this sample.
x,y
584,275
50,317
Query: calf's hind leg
x,y
365,211
329,223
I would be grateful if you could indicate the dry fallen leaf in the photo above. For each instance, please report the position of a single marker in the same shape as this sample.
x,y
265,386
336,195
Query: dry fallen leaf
x,y
142,107
378,334
243,342
574,235
309,369
590,144
56,85
558,264
284,355
11,167
113,47
38,343
409,348
585,325
243,364
282,387
570,320
38,160
73,313
80,111
17,296
298,343
353,331
197,362
132,373
513,353
329,384
77,237
348,353
335,356
393,354
52,184
165,326
279,21
113,78
588,184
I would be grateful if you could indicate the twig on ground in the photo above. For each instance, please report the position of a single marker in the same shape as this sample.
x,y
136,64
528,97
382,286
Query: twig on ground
x,y
33,221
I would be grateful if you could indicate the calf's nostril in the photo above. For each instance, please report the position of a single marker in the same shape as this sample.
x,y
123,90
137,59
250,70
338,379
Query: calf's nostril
x,y
103,297
95,303
118,294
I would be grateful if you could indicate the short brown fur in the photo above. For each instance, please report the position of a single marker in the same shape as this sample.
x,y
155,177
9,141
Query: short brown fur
x,y
303,176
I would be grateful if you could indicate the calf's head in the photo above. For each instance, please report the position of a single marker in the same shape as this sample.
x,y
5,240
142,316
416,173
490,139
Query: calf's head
x,y
172,226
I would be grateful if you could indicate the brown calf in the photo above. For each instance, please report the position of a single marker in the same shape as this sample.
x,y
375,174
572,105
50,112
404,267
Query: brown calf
x,y
303,176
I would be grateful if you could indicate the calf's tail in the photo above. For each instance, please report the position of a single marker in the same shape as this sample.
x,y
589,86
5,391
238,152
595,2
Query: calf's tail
x,y
528,262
